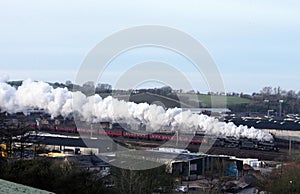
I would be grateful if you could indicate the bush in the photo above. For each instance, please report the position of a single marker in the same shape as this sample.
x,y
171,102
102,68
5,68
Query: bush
x,y
284,180
58,176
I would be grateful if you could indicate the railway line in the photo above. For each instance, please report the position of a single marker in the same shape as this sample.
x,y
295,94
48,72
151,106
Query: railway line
x,y
144,143
174,138
281,155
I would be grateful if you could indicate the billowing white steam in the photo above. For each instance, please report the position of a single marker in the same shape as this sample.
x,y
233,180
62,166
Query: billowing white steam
x,y
94,109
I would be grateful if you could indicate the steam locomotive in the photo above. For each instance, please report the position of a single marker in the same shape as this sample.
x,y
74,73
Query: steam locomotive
x,y
116,130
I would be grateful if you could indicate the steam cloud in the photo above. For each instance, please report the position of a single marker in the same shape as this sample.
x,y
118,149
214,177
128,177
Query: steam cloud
x,y
60,101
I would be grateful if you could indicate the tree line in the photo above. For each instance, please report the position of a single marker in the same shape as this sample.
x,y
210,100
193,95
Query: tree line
x,y
270,99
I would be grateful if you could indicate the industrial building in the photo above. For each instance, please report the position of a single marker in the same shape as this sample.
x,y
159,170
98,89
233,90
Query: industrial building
x,y
191,166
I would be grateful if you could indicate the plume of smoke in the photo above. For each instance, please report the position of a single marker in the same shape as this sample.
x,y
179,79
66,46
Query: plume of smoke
x,y
60,101
4,78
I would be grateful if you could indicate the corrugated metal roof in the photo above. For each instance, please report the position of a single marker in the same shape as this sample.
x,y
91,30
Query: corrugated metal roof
x,y
10,187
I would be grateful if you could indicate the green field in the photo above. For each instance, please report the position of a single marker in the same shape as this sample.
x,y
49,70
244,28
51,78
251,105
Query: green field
x,y
205,100
186,100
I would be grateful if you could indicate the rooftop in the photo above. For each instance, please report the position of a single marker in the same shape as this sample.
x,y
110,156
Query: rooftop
x,y
10,187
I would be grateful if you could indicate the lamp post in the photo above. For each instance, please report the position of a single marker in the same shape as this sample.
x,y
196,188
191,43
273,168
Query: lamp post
x,y
267,101
280,107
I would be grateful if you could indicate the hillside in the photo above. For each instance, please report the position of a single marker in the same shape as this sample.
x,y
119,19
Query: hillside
x,y
205,100
187,100
167,98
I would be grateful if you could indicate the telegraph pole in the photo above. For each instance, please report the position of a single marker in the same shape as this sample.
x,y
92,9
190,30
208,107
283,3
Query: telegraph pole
x,y
290,145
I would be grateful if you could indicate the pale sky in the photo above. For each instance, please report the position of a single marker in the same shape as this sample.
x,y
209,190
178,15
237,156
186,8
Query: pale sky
x,y
254,43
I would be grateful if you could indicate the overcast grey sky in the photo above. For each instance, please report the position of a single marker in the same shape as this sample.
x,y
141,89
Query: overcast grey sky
x,y
254,43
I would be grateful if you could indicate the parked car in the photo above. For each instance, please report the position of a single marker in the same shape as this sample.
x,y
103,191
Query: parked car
x,y
183,189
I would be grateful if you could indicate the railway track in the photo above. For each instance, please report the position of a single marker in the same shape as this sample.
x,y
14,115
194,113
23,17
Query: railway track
x,y
243,153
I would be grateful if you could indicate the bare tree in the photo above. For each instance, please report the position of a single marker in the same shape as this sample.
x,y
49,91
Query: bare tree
x,y
14,131
142,181
266,91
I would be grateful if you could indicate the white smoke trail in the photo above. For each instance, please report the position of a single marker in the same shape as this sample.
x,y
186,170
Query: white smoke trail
x,y
60,101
